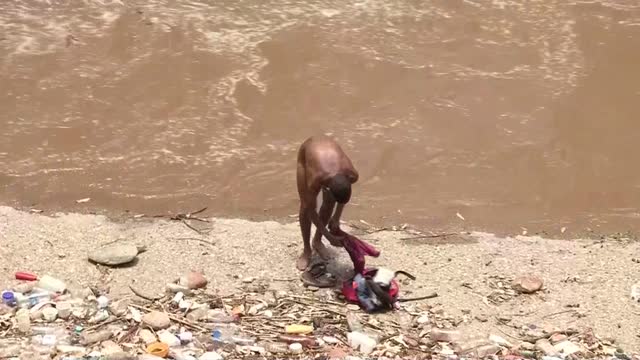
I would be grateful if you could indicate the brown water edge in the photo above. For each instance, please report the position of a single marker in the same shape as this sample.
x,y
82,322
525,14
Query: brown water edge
x,y
530,128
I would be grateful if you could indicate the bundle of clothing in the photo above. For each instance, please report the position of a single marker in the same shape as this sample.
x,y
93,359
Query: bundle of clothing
x,y
374,289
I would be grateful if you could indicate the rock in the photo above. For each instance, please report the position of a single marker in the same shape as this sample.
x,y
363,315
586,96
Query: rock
x,y
248,280
147,336
198,313
156,320
110,347
119,308
527,284
496,339
567,348
352,358
115,254
545,346
210,356
89,338
481,318
423,319
168,338
193,280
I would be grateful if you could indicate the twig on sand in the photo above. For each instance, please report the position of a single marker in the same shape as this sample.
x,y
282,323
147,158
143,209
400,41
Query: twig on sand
x,y
418,298
558,313
199,231
174,318
428,236
509,335
195,239
97,326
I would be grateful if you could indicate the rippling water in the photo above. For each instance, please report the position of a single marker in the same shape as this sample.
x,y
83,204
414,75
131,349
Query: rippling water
x,y
515,114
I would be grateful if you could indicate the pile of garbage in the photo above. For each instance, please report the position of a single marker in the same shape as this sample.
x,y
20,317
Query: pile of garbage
x,y
42,318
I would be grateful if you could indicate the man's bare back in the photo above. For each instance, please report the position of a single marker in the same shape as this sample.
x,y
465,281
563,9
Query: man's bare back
x,y
322,167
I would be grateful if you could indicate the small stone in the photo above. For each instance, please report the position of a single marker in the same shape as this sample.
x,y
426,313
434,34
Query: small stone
x,y
196,280
411,341
268,313
198,314
119,307
248,280
110,347
423,319
362,342
210,356
527,284
147,336
156,320
481,317
353,307
168,338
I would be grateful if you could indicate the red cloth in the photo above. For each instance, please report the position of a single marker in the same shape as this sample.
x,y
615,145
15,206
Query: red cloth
x,y
357,249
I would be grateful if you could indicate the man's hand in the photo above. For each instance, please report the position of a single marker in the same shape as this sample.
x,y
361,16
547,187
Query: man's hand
x,y
335,240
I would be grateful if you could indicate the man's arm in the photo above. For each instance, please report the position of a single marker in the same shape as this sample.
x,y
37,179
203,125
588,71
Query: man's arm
x,y
311,205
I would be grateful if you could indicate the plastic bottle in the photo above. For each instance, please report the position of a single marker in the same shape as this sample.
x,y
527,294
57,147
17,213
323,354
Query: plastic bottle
x,y
9,298
230,335
23,320
31,300
51,284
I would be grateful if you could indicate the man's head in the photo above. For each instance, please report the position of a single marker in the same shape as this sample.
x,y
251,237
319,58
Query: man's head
x,y
340,188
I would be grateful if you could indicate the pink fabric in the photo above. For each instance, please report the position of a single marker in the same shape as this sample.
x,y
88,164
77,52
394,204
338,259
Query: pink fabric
x,y
357,249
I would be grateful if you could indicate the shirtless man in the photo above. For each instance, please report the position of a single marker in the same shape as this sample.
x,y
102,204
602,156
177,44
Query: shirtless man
x,y
322,166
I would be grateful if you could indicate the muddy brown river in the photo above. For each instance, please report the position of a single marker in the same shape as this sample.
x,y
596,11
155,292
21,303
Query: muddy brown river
x,y
514,114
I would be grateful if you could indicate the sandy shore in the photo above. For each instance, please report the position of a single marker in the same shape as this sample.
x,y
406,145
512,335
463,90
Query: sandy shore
x,y
596,276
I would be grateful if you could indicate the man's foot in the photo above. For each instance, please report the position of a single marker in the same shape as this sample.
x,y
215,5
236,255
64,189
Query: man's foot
x,y
303,261
321,250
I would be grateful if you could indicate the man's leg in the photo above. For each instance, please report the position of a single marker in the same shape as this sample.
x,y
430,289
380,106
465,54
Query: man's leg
x,y
305,222
305,227
325,212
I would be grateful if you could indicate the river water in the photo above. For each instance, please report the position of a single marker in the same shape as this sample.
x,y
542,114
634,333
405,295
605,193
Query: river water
x,y
514,114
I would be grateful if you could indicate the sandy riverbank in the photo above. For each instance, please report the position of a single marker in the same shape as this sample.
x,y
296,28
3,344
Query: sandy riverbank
x,y
596,275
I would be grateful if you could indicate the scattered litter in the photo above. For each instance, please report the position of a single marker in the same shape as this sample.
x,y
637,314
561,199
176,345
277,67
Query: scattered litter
x,y
80,201
460,216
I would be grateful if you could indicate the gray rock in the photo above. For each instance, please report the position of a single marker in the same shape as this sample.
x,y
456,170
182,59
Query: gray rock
x,y
115,254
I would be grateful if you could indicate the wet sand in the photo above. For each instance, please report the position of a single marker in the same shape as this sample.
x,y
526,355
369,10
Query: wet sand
x,y
520,116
